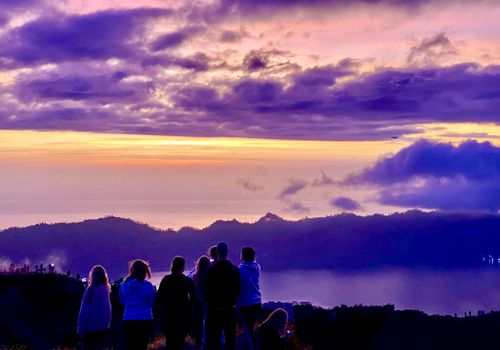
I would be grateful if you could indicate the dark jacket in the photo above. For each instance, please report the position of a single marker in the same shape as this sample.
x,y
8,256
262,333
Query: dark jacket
x,y
222,286
174,298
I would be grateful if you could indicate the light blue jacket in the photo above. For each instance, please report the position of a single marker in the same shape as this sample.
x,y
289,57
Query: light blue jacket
x,y
138,298
250,287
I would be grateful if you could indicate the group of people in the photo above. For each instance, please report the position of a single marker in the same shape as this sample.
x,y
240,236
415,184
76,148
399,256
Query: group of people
x,y
206,303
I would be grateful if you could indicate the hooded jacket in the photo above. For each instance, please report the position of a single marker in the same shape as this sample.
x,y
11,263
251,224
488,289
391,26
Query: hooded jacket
x,y
250,287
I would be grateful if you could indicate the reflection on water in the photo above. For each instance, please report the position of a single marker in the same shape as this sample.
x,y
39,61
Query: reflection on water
x,y
434,292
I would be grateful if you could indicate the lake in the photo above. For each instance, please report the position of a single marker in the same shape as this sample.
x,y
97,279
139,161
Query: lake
x,y
434,292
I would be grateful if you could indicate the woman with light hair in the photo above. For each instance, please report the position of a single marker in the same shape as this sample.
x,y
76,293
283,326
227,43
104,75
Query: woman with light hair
x,y
272,331
94,319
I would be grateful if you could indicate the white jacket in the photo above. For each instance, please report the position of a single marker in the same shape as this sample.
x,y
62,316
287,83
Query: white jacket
x,y
250,288
95,311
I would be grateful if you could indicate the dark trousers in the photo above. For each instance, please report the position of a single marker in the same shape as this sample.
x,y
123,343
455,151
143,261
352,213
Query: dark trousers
x,y
249,316
175,333
199,311
97,340
221,320
138,333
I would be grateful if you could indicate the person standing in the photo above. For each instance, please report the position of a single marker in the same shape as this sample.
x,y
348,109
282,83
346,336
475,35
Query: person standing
x,y
174,301
137,295
199,309
94,318
222,288
250,299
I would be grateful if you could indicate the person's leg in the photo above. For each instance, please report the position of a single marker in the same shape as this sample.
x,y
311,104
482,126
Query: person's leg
x,y
130,330
175,334
249,317
229,324
213,329
146,328
198,324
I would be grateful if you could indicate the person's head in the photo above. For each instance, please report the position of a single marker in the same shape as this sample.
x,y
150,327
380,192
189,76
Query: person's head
x,y
98,277
139,270
202,264
201,268
212,252
178,264
222,250
248,254
277,320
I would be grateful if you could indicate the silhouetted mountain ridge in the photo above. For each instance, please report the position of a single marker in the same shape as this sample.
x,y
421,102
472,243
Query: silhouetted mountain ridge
x,y
413,239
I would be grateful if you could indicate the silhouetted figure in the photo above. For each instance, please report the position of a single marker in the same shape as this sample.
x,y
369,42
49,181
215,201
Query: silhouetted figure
x,y
250,299
222,287
12,267
174,301
52,268
78,277
212,253
68,273
272,331
200,306
138,296
94,319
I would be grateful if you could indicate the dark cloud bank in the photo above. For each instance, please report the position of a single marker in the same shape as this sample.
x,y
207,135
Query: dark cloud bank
x,y
437,176
307,104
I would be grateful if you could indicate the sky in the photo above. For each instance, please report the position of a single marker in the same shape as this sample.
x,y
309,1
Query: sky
x,y
179,113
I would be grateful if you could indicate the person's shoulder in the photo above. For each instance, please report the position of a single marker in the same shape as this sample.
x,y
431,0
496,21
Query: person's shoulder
x,y
147,284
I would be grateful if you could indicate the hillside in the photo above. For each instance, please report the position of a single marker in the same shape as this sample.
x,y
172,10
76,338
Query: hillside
x,y
343,242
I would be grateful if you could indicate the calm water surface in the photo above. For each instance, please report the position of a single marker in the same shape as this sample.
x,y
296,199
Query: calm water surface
x,y
434,292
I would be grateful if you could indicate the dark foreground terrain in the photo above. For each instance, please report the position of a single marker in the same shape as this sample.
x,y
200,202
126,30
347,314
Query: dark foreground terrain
x,y
39,311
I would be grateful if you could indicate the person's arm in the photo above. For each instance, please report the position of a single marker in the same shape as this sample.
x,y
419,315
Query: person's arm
x,y
237,281
151,294
83,315
123,292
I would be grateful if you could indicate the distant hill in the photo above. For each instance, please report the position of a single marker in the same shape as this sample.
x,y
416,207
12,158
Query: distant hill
x,y
343,242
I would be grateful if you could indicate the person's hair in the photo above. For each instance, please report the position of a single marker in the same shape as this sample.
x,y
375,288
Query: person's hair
x,y
248,254
201,268
139,269
222,250
277,320
98,277
178,264
212,252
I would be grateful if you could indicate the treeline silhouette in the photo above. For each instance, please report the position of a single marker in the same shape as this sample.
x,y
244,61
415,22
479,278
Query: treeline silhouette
x,y
343,242
39,311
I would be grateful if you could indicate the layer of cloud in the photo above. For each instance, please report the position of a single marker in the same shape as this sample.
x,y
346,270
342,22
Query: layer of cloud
x,y
248,185
294,186
437,176
138,77
325,180
345,203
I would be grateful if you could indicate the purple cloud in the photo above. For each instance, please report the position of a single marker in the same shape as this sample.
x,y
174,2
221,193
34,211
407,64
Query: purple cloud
x,y
471,160
437,176
297,207
232,36
323,181
247,185
101,35
108,88
345,203
175,39
294,186
430,50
